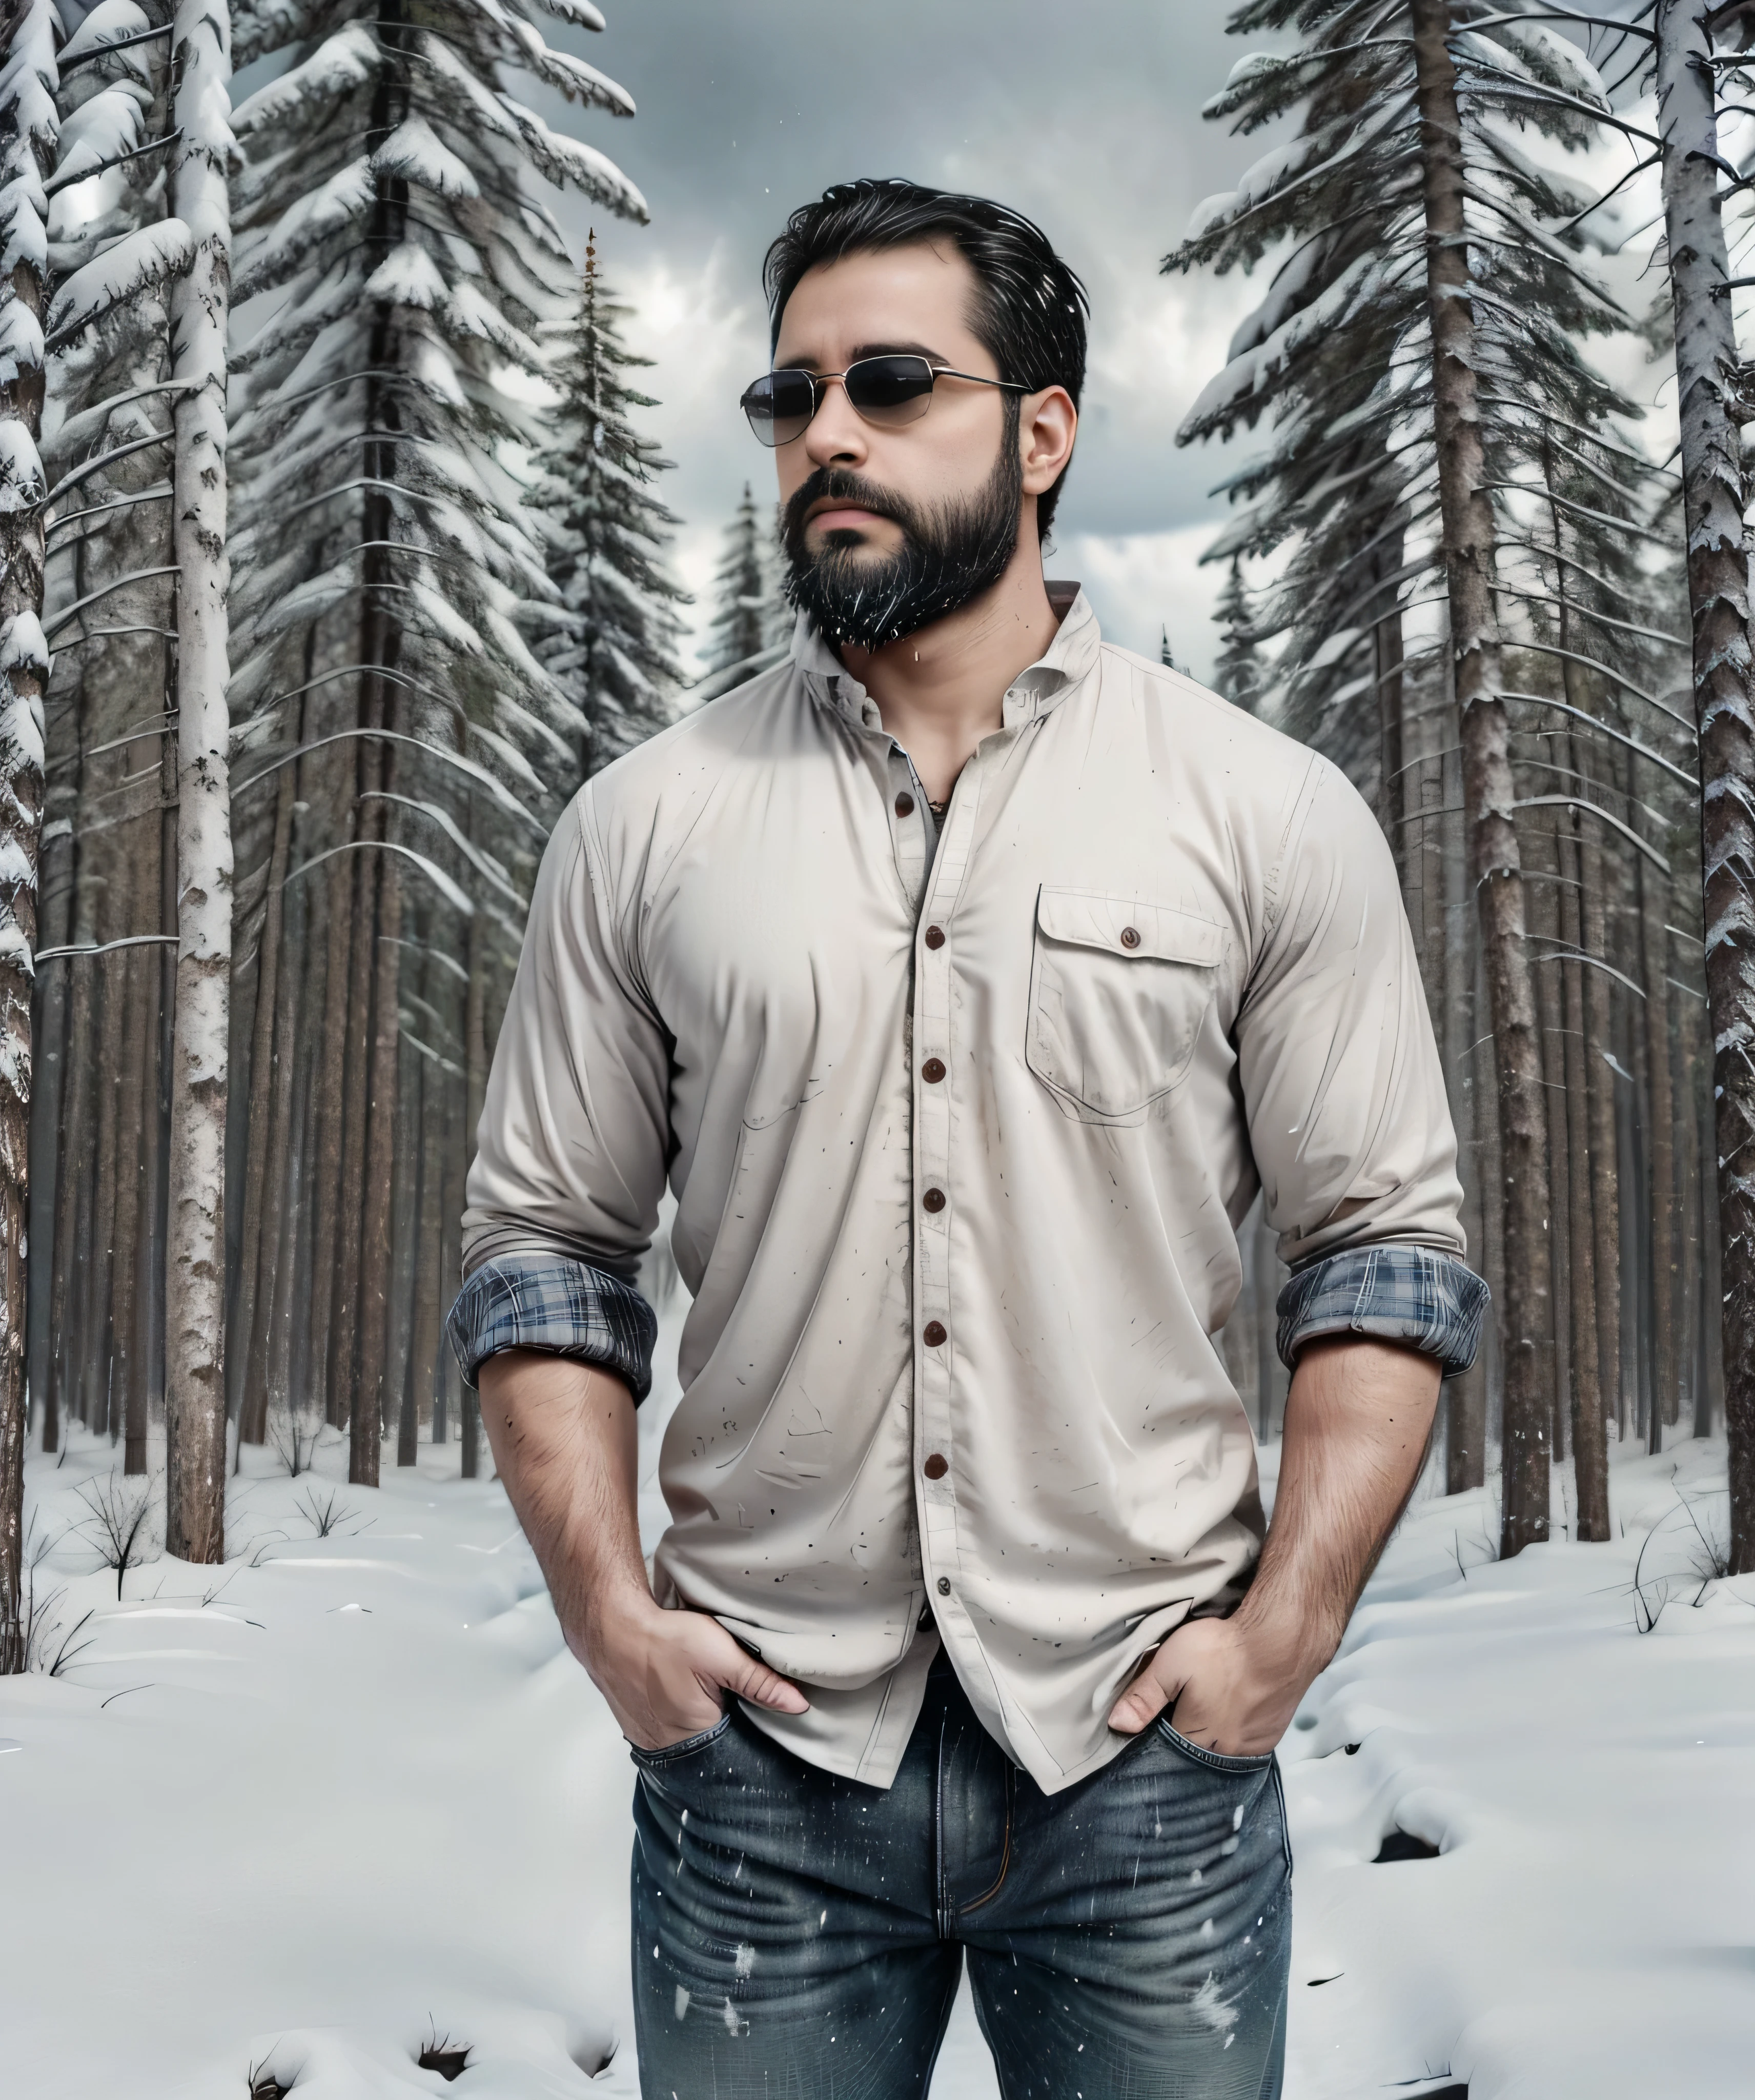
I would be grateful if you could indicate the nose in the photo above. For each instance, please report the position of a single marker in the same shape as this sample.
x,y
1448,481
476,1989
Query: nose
x,y
836,436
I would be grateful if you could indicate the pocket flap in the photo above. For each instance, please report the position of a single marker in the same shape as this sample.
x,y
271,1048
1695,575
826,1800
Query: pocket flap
x,y
1128,926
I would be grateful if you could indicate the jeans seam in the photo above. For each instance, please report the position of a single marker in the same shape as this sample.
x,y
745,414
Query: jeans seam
x,y
1005,1849
649,1760
1285,1820
1214,1760
941,1880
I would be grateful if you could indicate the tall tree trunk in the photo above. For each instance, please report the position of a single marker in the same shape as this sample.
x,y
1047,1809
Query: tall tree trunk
x,y
262,1172
195,1256
381,1176
1591,1457
1391,685
50,1021
29,41
474,1094
329,1192
100,1337
1718,595
139,966
1465,1396
1599,1087
1525,1323
424,1338
1660,1142
1545,915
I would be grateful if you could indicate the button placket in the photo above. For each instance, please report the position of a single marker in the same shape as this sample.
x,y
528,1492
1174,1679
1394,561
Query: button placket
x,y
908,821
935,1193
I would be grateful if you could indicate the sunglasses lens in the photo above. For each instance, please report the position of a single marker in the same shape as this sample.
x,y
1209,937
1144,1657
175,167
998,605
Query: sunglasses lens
x,y
779,405
889,390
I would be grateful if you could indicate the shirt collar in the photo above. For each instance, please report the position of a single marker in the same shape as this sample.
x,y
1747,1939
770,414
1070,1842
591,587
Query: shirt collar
x,y
1066,660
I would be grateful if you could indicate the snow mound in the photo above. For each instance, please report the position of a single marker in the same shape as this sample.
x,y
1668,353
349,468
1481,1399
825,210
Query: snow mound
x,y
349,1797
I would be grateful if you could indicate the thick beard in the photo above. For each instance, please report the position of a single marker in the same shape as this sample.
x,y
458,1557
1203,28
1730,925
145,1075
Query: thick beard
x,y
948,556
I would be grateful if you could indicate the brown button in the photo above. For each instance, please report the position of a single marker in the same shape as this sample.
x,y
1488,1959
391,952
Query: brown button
x,y
936,1466
905,806
935,936
944,1585
931,1071
1130,936
932,1334
934,1199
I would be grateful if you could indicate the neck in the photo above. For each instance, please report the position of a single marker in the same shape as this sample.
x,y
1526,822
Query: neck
x,y
940,692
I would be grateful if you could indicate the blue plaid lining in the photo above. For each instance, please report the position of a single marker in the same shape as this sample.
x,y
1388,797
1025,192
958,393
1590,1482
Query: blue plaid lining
x,y
1403,1293
545,1301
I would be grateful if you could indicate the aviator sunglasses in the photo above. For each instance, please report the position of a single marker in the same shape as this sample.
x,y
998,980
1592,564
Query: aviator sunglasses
x,y
886,391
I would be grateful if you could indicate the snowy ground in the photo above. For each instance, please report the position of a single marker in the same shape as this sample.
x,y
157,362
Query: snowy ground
x,y
348,1795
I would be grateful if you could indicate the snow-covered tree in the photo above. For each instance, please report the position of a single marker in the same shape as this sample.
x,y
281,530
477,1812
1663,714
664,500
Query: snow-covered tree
x,y
28,125
107,901
399,265
609,640
751,627
1713,400
1418,347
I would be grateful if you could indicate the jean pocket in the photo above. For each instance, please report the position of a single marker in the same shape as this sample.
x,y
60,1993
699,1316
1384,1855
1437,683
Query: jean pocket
x,y
1215,1761
670,1753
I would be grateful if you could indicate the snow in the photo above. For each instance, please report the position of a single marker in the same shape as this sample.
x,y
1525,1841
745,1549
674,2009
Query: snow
x,y
415,150
407,276
109,23
123,270
350,1793
347,60
21,480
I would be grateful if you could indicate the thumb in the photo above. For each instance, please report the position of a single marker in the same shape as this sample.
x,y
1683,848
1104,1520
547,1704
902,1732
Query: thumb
x,y
761,1686
1155,1688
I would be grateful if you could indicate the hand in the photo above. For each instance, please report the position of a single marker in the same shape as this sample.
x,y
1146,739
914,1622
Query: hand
x,y
1234,1686
664,1673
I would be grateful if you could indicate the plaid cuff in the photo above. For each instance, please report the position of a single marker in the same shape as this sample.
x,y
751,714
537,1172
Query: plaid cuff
x,y
1405,1294
545,1301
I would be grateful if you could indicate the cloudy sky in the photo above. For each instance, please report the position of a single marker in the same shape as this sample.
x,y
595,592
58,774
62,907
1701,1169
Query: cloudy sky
x,y
1086,117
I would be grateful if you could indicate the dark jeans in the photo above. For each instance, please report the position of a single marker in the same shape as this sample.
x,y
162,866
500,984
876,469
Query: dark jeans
x,y
798,1936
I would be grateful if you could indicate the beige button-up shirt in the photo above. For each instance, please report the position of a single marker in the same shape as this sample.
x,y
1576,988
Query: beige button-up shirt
x,y
960,1133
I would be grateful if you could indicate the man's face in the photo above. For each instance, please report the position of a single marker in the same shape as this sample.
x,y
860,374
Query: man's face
x,y
886,530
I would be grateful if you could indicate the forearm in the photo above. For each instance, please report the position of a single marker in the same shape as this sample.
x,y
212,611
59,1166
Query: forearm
x,y
564,1441
565,1444
1358,1420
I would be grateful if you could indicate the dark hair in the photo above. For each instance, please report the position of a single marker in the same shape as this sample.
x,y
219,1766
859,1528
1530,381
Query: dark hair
x,y
1031,315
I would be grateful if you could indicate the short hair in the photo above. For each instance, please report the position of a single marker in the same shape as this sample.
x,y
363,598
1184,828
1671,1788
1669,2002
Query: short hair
x,y
1030,318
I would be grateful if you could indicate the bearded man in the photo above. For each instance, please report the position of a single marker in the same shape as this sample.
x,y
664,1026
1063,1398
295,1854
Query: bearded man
x,y
964,977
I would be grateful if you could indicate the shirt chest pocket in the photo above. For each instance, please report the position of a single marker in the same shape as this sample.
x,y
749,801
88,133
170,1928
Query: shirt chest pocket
x,y
1118,990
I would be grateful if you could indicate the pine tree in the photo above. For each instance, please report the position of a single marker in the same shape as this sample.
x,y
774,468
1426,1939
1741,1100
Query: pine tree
x,y
392,236
1711,381
609,640
751,628
1240,673
1418,347
28,125
109,888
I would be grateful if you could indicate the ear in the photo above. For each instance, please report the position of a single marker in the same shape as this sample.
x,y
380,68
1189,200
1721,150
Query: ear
x,y
1047,425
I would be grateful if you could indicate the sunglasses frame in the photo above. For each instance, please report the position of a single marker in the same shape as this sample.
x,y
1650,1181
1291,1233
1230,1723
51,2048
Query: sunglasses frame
x,y
818,381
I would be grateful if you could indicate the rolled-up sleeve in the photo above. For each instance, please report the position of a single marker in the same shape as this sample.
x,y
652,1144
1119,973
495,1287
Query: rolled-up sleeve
x,y
1348,1117
568,1308
1414,1294
569,1162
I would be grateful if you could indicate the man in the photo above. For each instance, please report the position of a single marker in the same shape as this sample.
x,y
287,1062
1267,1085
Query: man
x,y
963,977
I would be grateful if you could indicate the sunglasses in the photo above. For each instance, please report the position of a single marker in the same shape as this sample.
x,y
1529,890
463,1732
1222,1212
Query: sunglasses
x,y
886,391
